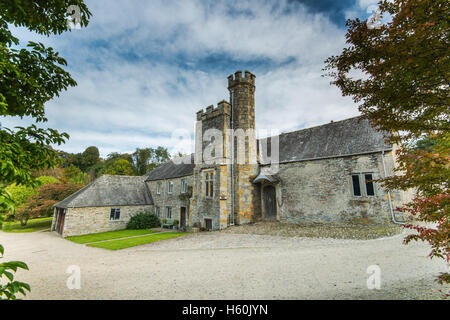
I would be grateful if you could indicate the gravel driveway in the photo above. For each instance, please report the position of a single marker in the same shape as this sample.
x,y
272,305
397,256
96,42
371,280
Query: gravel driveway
x,y
220,265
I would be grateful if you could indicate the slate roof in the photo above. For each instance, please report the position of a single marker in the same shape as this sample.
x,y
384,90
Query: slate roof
x,y
171,170
110,191
336,139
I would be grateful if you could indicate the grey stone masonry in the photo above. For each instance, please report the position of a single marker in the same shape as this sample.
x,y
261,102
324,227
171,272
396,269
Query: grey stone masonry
x,y
80,221
175,200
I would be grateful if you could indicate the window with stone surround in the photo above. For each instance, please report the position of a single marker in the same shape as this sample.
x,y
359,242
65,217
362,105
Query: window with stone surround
x,y
158,188
209,184
115,214
183,186
158,212
170,187
356,183
169,212
369,187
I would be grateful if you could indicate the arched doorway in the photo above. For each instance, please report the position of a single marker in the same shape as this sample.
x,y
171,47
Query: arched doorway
x,y
270,203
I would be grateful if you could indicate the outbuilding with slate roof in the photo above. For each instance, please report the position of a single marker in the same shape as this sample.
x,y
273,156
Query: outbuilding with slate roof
x,y
106,204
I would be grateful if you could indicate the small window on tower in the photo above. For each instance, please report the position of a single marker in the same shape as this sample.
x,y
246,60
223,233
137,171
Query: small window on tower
x,y
209,184
356,185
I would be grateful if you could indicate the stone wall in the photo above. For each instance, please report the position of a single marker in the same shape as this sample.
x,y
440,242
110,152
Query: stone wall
x,y
176,200
321,191
88,220
206,207
218,207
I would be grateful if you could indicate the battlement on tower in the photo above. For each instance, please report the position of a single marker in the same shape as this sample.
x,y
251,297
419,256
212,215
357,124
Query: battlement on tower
x,y
223,107
237,78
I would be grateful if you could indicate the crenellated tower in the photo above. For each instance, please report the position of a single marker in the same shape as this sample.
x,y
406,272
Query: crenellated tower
x,y
225,159
245,196
242,98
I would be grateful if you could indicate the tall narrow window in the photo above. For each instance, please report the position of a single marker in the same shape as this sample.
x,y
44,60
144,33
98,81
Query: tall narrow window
x,y
370,190
183,186
356,185
157,212
209,184
168,212
115,214
170,187
158,188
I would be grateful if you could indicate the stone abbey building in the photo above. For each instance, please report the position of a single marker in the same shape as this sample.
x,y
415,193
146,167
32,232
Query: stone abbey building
x,y
320,174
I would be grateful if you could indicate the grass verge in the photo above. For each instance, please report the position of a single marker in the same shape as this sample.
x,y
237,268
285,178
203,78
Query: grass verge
x,y
138,241
32,225
95,237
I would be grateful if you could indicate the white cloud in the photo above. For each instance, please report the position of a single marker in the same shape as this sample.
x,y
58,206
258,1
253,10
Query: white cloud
x,y
120,104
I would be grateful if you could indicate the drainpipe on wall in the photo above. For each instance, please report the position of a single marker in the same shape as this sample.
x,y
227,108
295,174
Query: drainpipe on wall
x,y
389,193
232,159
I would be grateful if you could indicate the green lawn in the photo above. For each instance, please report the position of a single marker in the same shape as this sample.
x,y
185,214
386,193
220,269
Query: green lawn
x,y
132,242
88,238
32,225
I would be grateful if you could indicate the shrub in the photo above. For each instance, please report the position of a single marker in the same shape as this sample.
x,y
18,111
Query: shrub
x,y
143,220
41,204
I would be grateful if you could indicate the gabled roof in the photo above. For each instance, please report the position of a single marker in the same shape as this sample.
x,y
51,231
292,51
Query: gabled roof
x,y
336,139
170,170
110,191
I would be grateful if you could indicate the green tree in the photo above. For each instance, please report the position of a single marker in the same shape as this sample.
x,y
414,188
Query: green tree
x,y
11,288
141,160
75,175
160,156
405,91
20,193
89,158
120,167
425,142
147,159
30,76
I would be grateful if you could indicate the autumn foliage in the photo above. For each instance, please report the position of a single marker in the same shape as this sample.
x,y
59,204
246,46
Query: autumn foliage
x,y
399,74
428,171
41,204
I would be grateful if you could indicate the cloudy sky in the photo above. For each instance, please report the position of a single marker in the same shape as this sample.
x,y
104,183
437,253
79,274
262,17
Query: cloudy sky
x,y
145,67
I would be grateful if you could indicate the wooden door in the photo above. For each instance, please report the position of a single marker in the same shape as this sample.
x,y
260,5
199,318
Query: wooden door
x,y
208,224
270,203
61,219
183,218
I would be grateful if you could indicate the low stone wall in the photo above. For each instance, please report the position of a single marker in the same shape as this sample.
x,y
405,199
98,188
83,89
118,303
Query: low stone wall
x,y
88,220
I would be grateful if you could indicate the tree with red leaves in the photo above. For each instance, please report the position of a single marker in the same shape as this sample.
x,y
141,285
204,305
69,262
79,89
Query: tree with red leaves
x,y
41,204
404,90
